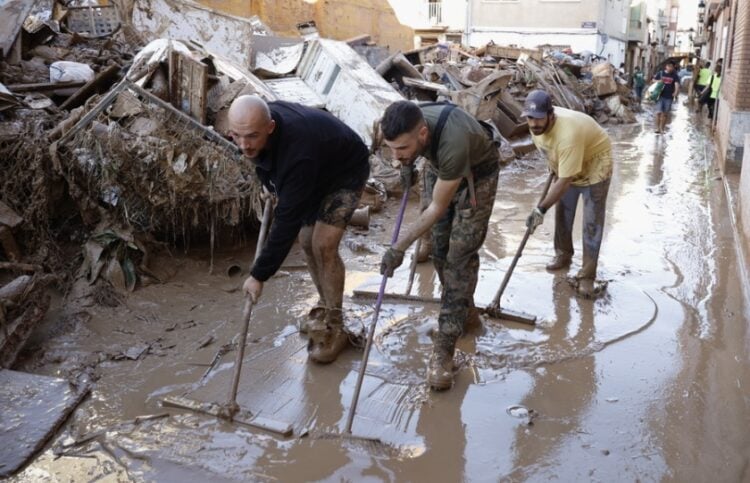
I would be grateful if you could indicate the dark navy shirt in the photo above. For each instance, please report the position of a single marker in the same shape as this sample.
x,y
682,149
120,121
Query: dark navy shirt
x,y
669,81
309,155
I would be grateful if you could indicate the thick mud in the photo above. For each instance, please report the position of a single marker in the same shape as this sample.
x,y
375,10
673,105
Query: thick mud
x,y
648,382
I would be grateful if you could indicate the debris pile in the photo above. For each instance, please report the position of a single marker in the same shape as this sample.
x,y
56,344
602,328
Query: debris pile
x,y
492,82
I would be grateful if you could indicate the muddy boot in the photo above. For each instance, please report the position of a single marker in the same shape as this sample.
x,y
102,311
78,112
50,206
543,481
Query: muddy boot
x,y
559,262
473,323
316,313
586,288
328,340
440,372
425,249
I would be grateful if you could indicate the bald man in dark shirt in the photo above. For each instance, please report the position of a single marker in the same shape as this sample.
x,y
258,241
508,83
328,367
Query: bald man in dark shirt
x,y
317,167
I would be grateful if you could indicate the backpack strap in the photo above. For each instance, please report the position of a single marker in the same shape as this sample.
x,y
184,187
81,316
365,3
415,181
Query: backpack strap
x,y
435,142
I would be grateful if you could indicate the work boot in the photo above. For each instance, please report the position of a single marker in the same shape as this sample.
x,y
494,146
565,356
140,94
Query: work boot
x,y
440,372
559,262
316,313
425,249
473,321
329,339
586,288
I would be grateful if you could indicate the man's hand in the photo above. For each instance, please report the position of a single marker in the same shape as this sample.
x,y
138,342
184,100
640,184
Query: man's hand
x,y
391,261
535,219
253,288
408,176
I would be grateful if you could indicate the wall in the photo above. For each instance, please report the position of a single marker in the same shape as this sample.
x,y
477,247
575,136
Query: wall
x,y
733,115
337,19
745,195
557,15
578,39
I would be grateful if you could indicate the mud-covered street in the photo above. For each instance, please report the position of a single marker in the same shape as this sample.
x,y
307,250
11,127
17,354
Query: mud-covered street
x,y
647,383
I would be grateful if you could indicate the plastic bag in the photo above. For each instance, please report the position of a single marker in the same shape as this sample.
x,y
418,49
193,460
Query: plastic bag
x,y
654,91
65,71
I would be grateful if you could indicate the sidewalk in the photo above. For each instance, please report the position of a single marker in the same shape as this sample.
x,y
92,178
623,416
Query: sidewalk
x,y
731,184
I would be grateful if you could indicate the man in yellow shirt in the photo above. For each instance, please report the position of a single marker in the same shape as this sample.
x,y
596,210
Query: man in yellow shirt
x,y
579,154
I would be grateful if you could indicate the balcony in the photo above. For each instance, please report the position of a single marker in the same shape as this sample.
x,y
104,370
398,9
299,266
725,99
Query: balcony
x,y
435,13
636,32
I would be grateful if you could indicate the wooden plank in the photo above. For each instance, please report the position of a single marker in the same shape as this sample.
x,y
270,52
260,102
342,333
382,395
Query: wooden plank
x,y
188,85
428,86
43,86
512,53
12,15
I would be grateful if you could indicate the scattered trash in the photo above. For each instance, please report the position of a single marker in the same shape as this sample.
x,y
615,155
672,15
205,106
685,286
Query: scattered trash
x,y
522,412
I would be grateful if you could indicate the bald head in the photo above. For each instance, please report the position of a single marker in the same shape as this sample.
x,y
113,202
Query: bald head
x,y
250,124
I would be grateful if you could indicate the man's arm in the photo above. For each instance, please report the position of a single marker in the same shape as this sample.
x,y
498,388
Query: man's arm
x,y
294,198
556,190
442,194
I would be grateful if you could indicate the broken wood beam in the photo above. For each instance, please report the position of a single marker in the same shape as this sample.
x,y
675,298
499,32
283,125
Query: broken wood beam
x,y
103,80
20,267
43,86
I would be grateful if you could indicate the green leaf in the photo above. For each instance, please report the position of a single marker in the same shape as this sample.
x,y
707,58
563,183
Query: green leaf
x,y
131,277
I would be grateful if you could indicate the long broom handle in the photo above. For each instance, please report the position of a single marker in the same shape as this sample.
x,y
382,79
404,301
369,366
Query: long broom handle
x,y
413,266
248,309
246,312
371,331
509,272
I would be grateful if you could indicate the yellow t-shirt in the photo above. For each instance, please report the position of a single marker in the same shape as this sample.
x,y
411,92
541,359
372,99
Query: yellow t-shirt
x,y
577,147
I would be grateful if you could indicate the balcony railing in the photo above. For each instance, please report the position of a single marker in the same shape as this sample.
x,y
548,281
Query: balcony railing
x,y
435,12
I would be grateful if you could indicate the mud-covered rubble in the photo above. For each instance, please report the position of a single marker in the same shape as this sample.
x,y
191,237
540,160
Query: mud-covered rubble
x,y
450,72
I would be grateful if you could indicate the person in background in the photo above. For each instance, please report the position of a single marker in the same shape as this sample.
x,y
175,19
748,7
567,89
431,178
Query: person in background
x,y
701,81
714,87
639,82
668,95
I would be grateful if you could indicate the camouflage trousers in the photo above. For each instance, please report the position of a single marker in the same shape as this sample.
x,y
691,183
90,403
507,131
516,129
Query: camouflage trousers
x,y
594,209
456,240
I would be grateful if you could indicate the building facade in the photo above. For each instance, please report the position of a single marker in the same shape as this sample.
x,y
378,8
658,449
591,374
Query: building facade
x,y
597,26
727,29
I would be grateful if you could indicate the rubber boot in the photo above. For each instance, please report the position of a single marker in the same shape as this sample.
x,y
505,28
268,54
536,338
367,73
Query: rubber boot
x,y
440,372
425,248
559,262
329,339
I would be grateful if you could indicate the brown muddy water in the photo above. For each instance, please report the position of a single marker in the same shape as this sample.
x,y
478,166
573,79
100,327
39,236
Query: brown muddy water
x,y
648,383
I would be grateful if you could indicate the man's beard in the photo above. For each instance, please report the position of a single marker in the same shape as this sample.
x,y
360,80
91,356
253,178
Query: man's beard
x,y
539,131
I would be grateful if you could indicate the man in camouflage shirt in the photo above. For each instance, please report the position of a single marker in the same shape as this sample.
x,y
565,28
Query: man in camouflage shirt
x,y
462,178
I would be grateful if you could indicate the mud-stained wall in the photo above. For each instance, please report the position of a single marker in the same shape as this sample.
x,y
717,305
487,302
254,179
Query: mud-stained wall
x,y
337,19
